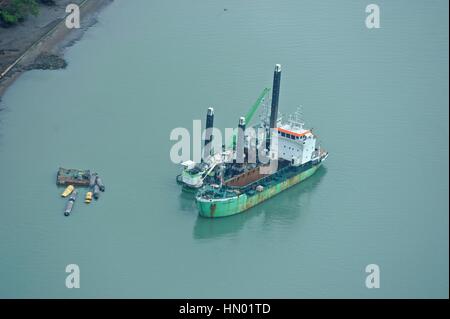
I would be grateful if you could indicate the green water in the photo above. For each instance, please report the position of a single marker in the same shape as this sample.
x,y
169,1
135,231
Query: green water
x,y
378,99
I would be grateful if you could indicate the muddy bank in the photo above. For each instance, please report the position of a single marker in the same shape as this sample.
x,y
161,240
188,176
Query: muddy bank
x,y
40,42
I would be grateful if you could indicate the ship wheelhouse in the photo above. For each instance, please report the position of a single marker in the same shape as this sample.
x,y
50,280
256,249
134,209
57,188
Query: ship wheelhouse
x,y
294,143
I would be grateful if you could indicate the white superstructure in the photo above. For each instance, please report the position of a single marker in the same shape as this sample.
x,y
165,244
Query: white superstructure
x,y
194,173
293,142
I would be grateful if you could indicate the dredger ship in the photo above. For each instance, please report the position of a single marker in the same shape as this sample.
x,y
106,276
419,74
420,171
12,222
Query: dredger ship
x,y
227,182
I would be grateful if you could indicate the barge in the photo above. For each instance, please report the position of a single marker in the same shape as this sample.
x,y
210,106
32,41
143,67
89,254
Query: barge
x,y
71,176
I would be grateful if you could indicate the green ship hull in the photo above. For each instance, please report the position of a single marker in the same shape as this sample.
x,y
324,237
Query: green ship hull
x,y
233,205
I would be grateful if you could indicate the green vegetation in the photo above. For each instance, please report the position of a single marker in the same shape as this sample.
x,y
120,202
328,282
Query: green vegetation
x,y
14,11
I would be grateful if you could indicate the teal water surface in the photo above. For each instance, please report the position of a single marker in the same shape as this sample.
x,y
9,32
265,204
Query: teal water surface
x,y
377,98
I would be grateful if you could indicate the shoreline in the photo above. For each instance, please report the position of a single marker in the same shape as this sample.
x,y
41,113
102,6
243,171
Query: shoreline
x,y
43,47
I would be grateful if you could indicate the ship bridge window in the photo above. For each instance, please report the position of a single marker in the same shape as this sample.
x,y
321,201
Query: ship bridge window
x,y
288,135
283,134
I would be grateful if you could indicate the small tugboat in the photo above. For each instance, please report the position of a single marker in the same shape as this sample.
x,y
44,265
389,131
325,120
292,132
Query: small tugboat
x,y
96,192
100,184
69,205
88,198
92,179
69,189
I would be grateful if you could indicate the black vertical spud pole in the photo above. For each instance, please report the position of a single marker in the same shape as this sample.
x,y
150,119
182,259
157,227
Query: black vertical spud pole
x,y
208,132
275,98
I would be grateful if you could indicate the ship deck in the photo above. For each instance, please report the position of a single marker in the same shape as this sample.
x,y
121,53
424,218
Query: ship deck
x,y
253,180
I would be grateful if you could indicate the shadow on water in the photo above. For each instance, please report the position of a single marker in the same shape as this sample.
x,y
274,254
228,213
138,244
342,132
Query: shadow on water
x,y
187,201
284,208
